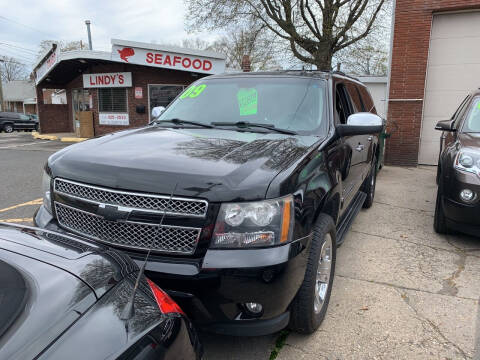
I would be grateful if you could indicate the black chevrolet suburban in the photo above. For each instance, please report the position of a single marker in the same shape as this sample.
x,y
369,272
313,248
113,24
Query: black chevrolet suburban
x,y
10,121
242,189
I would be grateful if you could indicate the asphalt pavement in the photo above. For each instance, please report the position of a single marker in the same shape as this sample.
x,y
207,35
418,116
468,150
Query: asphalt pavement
x,y
401,291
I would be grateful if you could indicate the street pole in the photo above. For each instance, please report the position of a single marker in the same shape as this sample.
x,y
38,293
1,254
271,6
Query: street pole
x,y
87,22
1,90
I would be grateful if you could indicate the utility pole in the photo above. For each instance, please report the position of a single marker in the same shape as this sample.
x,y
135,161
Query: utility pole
x,y
87,22
1,90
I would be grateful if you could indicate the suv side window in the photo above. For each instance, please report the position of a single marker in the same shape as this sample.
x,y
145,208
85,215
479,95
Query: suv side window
x,y
367,100
357,102
343,108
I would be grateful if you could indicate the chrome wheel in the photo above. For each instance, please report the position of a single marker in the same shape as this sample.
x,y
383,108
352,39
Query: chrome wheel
x,y
323,274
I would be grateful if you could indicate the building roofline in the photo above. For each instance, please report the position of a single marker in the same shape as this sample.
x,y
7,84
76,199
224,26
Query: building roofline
x,y
169,48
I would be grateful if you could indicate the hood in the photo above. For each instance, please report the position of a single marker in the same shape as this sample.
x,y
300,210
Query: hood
x,y
218,165
96,265
471,140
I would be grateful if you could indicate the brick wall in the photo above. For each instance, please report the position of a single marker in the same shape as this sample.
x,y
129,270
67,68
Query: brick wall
x,y
54,118
411,40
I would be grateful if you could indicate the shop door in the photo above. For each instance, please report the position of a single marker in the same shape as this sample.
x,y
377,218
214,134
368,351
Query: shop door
x,y
162,95
80,102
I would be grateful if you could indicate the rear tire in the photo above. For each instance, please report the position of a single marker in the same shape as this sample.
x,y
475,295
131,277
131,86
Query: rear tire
x,y
370,185
310,305
8,128
439,220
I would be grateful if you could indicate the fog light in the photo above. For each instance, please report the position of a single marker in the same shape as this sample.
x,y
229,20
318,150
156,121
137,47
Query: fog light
x,y
467,195
254,308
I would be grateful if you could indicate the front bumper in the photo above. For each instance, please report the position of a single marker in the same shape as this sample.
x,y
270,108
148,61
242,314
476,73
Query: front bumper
x,y
461,216
213,290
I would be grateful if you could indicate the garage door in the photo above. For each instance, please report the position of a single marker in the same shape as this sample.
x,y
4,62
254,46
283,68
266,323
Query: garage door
x,y
453,71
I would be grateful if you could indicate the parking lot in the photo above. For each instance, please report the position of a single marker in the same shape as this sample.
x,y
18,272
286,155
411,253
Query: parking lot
x,y
401,291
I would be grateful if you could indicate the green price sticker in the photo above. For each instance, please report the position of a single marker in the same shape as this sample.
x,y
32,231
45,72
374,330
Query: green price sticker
x,y
478,106
193,91
247,101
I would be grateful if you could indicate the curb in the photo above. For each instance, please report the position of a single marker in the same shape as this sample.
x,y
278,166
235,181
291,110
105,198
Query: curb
x,y
72,139
36,135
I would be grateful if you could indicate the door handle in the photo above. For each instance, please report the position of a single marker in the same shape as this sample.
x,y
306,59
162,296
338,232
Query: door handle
x,y
360,147
370,138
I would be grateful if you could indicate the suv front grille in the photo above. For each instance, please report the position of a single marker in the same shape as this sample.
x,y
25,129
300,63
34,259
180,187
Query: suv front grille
x,y
135,201
129,234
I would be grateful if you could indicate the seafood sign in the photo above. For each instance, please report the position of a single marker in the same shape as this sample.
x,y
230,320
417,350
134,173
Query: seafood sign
x,y
168,59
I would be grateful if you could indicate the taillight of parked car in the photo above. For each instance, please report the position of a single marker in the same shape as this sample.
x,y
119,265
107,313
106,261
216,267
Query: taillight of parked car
x,y
165,302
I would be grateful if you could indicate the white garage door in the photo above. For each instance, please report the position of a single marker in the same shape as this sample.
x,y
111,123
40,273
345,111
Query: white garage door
x,y
453,71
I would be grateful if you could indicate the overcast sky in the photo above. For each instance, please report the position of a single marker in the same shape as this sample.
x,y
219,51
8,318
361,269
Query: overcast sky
x,y
23,24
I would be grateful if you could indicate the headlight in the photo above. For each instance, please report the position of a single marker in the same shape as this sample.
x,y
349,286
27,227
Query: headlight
x,y
47,200
468,160
261,223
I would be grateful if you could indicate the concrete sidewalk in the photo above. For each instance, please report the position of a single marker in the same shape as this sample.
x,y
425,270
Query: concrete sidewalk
x,y
401,291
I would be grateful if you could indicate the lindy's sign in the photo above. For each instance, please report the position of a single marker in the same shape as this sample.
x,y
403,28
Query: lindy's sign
x,y
119,79
169,60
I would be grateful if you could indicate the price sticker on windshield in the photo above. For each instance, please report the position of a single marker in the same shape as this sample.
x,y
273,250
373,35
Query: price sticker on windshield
x,y
193,91
247,101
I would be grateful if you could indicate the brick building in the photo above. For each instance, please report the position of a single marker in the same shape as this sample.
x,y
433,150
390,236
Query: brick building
x,y
435,64
116,90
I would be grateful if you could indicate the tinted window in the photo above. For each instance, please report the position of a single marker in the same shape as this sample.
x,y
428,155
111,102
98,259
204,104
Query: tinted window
x,y
24,117
472,120
355,97
367,100
342,104
460,108
289,103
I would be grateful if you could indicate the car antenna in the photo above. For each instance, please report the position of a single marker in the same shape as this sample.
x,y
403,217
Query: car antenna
x,y
128,311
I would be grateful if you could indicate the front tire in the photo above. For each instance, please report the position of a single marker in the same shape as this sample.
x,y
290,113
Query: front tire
x,y
310,305
370,185
439,220
8,128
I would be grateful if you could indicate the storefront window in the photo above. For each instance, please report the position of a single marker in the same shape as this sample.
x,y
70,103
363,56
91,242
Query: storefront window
x,y
162,95
112,100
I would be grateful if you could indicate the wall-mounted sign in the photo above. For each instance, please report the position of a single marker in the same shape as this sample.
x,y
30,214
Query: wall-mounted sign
x,y
103,80
113,119
169,60
138,93
51,60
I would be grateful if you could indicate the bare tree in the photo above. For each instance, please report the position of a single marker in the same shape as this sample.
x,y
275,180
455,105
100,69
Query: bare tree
x,y
314,29
46,45
250,40
12,69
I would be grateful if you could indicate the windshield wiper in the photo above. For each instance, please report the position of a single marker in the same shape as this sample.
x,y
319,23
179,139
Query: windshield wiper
x,y
246,125
183,122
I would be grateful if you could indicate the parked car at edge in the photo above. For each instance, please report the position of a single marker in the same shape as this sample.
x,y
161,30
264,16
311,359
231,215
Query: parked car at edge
x,y
260,176
458,177
62,298
10,121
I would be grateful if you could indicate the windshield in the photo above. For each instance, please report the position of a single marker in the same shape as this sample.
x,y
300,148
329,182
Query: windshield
x,y
296,104
472,122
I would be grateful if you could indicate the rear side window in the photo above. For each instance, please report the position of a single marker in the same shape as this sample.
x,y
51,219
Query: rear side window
x,y
355,96
367,100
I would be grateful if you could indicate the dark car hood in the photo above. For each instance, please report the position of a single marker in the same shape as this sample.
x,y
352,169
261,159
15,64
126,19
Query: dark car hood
x,y
97,266
469,139
219,165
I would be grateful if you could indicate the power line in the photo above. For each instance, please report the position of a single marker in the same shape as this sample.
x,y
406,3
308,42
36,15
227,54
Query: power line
x,y
7,53
27,26
18,53
19,47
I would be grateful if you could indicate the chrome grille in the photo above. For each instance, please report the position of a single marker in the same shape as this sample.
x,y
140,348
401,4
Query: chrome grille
x,y
136,235
136,201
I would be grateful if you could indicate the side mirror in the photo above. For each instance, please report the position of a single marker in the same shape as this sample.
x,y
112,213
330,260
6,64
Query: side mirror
x,y
361,124
445,125
157,111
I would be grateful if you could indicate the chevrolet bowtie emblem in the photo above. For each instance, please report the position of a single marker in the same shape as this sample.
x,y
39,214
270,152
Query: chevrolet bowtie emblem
x,y
112,212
